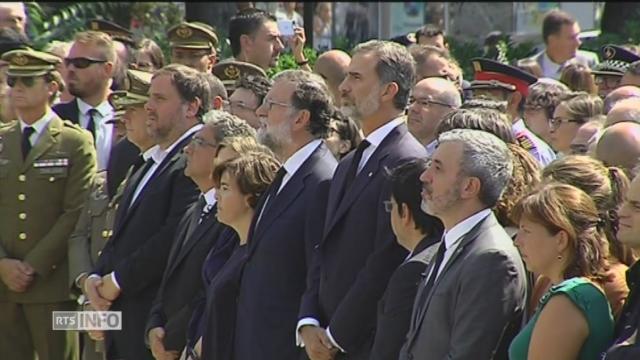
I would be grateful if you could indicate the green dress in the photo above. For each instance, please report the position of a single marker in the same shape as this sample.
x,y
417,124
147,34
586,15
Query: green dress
x,y
593,304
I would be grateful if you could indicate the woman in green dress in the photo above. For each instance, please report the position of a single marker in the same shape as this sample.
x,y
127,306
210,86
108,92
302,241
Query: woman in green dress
x,y
561,237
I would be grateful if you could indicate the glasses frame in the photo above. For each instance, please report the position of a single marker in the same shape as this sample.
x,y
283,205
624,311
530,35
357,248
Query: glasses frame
x,y
388,206
89,61
200,142
269,104
427,101
555,123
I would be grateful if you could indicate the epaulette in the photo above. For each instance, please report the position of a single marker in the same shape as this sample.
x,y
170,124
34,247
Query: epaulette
x,y
524,141
72,125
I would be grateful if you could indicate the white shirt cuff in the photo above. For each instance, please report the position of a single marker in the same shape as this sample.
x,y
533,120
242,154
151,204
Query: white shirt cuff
x,y
301,323
115,281
333,341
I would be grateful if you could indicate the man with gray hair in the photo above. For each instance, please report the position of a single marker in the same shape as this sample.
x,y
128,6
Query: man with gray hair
x,y
295,113
478,273
432,99
357,252
624,110
198,232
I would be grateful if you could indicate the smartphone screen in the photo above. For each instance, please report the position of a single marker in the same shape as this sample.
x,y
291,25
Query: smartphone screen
x,y
285,27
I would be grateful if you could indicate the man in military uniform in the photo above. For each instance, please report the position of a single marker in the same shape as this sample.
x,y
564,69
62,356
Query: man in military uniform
x,y
194,45
95,224
502,82
608,73
46,167
231,71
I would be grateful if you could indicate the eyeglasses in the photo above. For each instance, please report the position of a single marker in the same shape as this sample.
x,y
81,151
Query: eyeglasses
x,y
610,81
27,81
82,62
555,123
426,102
198,141
388,205
269,104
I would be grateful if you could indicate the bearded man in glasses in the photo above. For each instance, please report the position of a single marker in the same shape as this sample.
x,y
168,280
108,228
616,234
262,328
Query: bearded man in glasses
x,y
46,166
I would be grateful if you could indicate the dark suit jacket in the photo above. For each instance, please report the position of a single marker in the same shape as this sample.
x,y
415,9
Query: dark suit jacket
x,y
173,305
139,247
358,252
629,321
68,111
280,248
475,306
394,310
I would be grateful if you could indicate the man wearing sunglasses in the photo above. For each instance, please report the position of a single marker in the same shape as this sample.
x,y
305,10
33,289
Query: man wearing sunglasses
x,y
501,82
46,167
193,45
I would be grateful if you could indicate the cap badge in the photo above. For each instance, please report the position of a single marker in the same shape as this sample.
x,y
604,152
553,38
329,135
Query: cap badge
x,y
609,52
184,32
20,60
95,25
476,66
232,72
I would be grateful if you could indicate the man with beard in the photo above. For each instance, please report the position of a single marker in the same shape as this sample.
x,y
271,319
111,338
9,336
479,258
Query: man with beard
x,y
124,45
296,114
90,67
477,273
358,253
129,270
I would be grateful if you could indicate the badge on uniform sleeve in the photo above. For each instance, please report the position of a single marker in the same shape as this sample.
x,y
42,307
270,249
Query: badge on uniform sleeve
x,y
524,141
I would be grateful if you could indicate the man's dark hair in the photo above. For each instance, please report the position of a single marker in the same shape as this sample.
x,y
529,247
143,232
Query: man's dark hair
x,y
190,84
430,30
246,22
258,85
553,22
405,189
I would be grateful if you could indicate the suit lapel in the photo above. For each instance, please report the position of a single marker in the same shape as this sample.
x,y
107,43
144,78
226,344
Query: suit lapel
x,y
183,228
204,228
48,138
11,140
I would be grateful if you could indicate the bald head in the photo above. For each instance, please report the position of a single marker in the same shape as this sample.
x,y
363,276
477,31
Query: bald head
x,y
13,15
433,98
332,66
621,93
619,146
624,110
441,90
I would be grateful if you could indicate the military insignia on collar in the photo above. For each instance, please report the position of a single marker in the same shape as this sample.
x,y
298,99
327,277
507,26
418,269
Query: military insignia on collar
x,y
184,32
232,72
20,60
609,52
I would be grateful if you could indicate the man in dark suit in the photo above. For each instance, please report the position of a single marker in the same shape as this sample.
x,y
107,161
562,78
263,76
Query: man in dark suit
x,y
90,67
297,112
358,252
471,302
129,270
198,232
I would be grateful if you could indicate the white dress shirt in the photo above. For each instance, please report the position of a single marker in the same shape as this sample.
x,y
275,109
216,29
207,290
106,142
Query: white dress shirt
x,y
210,197
39,126
375,139
549,68
103,131
431,147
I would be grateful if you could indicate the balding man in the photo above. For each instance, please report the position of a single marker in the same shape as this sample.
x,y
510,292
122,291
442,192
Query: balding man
x,y
13,15
619,146
621,93
624,110
332,65
432,99
632,75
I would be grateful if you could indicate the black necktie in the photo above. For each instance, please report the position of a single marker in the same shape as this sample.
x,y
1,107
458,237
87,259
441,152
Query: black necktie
x,y
357,157
91,125
273,191
26,143
432,278
196,217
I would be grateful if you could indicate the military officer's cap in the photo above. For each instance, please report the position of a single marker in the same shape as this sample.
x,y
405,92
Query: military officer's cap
x,y
192,35
116,31
615,60
28,62
230,71
137,93
491,74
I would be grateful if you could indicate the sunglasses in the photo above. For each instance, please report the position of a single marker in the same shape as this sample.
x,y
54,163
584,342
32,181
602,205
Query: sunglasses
x,y
82,62
27,81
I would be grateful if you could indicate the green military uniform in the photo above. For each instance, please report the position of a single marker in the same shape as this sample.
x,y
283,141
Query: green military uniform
x,y
95,224
116,31
40,201
232,70
197,43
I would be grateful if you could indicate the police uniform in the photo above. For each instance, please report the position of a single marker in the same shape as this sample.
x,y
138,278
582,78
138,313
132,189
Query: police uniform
x,y
231,71
40,201
193,36
491,74
615,61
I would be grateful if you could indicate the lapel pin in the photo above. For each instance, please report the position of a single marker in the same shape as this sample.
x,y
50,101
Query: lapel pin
x,y
370,174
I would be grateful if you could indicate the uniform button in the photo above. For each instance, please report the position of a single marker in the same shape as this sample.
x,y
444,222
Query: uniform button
x,y
105,233
22,216
99,252
22,178
52,179
22,197
110,232
22,236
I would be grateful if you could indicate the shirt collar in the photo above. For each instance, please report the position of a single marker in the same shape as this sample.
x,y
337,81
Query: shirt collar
x,y
462,228
103,108
40,124
210,197
518,126
147,153
378,135
186,134
298,158
431,147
